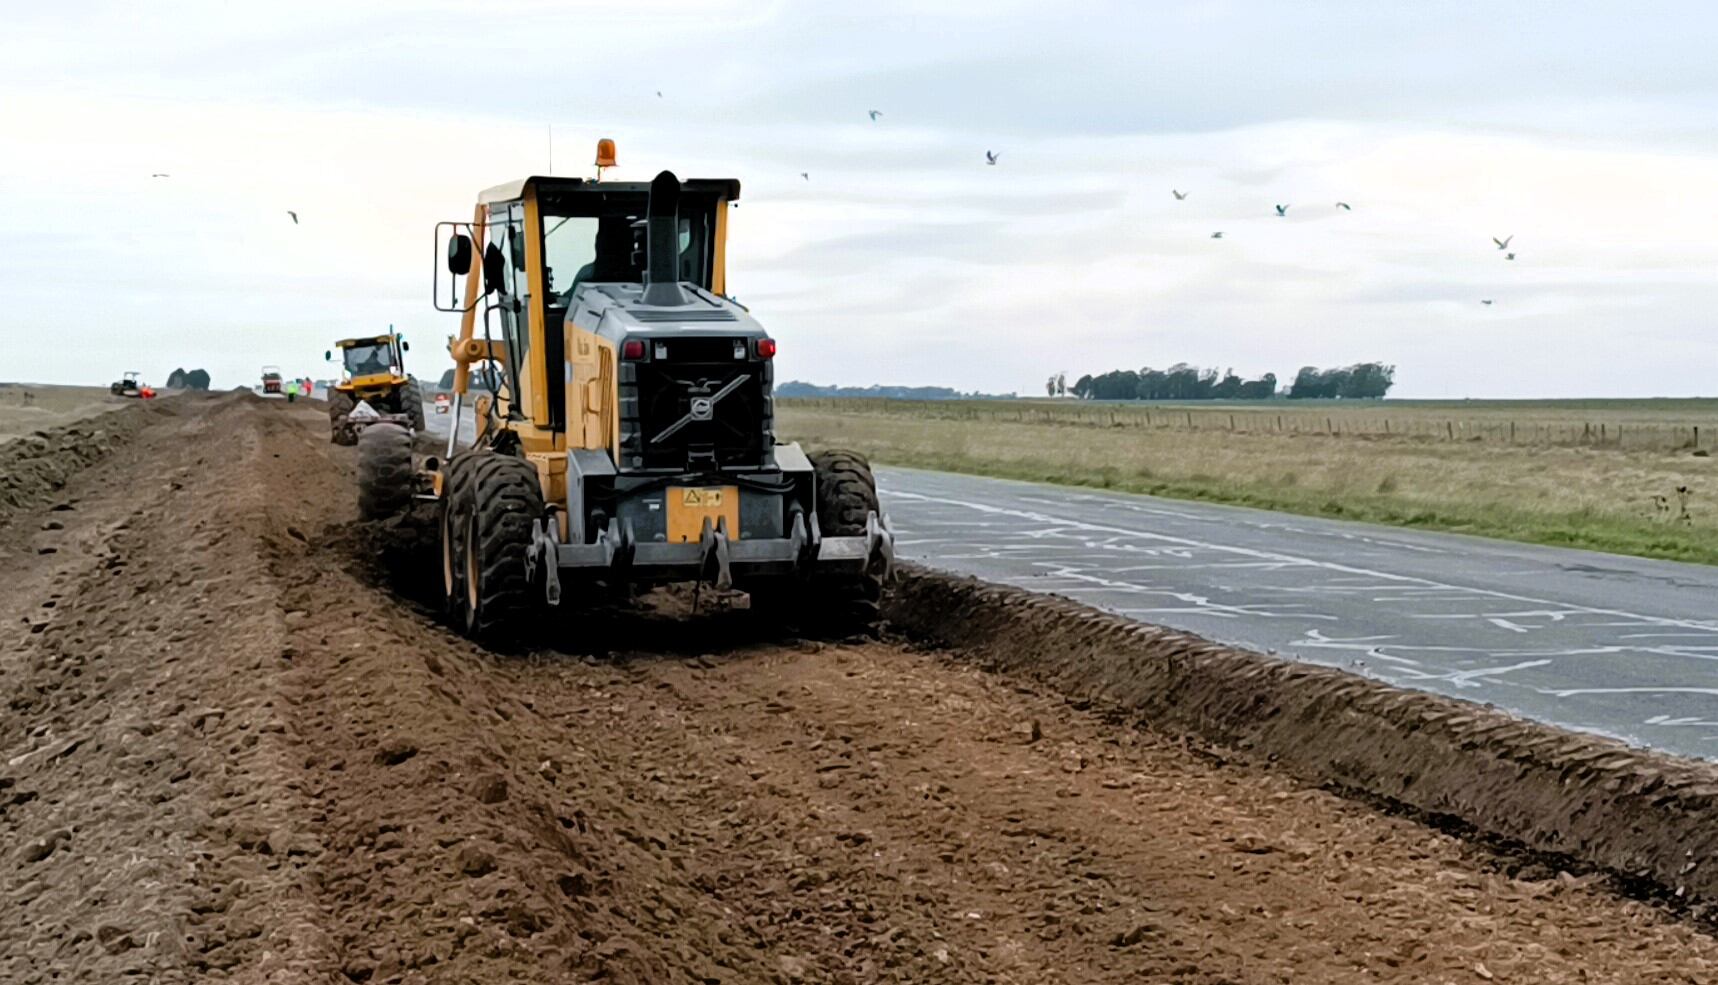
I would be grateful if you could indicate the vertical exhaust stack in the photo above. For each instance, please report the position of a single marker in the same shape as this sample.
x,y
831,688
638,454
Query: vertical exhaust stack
x,y
662,243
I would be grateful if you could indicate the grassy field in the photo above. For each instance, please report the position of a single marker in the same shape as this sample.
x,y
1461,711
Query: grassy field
x,y
1629,424
26,407
1564,477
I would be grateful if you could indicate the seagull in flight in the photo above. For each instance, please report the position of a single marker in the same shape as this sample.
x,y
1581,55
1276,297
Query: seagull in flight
x,y
659,94
990,157
1217,235
160,174
1503,244
806,175
1484,300
874,113
1178,195
1509,256
1345,206
294,216
1282,210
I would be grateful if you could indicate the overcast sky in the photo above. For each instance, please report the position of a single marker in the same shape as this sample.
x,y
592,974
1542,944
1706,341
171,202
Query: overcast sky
x,y
1586,130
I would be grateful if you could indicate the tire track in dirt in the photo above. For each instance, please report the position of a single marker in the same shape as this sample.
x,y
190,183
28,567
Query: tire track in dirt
x,y
651,796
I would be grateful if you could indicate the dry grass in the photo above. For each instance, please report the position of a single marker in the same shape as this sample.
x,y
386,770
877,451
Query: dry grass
x,y
1601,498
1662,424
26,407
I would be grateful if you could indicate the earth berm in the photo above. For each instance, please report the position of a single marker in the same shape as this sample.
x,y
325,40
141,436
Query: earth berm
x,y
230,753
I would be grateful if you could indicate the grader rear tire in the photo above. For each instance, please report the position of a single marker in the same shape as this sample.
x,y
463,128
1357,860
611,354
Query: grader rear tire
x,y
412,403
846,498
506,502
340,403
825,605
384,470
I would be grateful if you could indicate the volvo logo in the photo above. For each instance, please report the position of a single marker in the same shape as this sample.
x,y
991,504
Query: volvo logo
x,y
702,408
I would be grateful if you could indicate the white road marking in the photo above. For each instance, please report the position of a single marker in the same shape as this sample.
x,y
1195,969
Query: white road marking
x,y
1069,523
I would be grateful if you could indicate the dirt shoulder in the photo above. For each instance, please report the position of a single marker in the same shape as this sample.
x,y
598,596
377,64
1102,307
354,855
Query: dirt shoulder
x,y
27,407
232,755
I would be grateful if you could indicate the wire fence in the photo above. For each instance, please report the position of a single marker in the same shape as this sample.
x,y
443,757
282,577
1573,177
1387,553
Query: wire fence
x,y
1410,425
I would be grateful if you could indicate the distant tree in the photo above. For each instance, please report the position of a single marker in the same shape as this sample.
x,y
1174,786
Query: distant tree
x,y
1083,387
1368,381
180,379
1308,384
796,388
1263,388
1230,387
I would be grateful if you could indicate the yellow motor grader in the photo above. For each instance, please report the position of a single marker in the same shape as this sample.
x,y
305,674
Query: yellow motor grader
x,y
627,435
373,372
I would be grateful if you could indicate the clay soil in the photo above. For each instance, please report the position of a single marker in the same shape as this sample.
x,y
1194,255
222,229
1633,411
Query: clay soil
x,y
234,748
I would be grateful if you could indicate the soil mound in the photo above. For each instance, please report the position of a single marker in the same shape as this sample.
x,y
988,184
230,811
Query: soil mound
x,y
1636,813
36,466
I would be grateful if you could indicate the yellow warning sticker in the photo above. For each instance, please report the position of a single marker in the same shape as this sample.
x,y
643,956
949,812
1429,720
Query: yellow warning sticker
x,y
703,498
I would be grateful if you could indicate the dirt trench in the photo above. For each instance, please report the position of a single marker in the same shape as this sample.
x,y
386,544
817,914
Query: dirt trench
x,y
228,753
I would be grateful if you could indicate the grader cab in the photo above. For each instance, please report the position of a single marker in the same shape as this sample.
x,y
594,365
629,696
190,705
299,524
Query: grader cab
x,y
626,436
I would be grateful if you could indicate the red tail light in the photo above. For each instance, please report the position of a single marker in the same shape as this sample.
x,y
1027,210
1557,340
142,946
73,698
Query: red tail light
x,y
632,349
766,348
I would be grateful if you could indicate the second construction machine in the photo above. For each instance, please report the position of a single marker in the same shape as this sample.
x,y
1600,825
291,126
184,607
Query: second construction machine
x,y
373,371
627,435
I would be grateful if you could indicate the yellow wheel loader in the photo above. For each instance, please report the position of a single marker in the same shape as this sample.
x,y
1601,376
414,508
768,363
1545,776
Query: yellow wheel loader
x,y
373,372
627,438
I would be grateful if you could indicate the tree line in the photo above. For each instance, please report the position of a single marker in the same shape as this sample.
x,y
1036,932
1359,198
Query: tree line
x,y
1184,382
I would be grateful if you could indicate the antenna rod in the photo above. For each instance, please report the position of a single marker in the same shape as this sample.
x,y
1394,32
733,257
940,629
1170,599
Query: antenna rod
x,y
551,148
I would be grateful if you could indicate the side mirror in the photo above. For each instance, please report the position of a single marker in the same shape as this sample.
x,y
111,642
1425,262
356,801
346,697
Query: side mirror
x,y
327,356
459,254
405,346
494,269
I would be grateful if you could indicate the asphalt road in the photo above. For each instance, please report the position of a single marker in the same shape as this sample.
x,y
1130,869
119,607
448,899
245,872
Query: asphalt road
x,y
436,424
1620,646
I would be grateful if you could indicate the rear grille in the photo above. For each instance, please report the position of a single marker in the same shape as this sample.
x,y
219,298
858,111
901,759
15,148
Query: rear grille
x,y
669,421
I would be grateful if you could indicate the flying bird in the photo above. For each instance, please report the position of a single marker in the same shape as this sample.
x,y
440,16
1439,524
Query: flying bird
x,y
1484,300
1345,206
659,94
1503,244
806,175
990,157
1282,210
1509,256
159,174
294,216
1217,235
874,113
1178,195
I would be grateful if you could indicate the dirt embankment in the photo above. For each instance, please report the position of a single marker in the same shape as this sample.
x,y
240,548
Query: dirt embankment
x,y
1639,814
230,754
35,466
